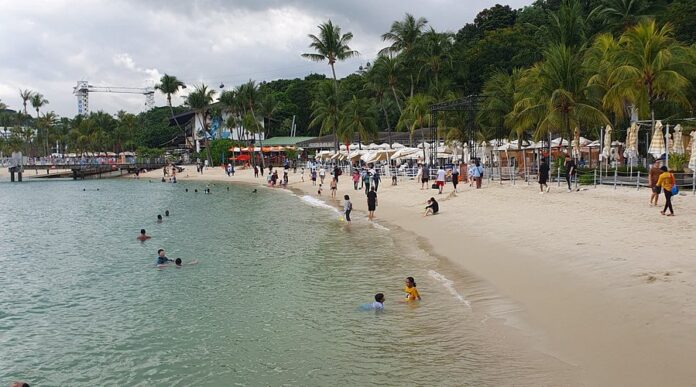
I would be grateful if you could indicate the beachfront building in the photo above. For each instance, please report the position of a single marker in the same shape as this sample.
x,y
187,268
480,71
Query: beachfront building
x,y
193,123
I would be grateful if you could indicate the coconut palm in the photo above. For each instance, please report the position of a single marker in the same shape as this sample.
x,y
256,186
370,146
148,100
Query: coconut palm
x,y
37,102
496,112
554,96
650,66
403,36
25,95
377,88
416,116
435,53
248,96
325,111
620,15
387,68
170,85
600,58
44,124
199,100
331,46
358,118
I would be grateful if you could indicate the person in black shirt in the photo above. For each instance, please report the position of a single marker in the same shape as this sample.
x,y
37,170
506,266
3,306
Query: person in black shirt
x,y
371,203
432,208
571,170
543,176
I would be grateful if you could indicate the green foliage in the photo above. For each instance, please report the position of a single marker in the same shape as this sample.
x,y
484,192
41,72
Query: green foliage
x,y
678,161
145,152
219,150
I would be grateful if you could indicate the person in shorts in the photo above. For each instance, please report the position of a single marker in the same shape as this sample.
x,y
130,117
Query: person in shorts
x,y
424,177
653,175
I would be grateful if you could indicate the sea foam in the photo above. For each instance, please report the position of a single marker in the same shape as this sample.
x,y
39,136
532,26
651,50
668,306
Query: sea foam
x,y
314,202
449,285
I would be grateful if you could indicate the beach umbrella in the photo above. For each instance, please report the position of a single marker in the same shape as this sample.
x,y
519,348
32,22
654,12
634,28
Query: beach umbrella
x,y
396,145
373,146
692,159
632,142
657,144
678,141
606,152
405,153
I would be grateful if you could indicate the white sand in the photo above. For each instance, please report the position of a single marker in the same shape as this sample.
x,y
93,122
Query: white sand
x,y
601,275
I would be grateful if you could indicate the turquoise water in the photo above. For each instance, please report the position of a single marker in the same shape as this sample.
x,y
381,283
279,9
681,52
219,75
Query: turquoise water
x,y
273,301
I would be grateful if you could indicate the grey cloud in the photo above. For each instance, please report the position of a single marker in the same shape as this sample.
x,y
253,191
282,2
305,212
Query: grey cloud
x,y
56,43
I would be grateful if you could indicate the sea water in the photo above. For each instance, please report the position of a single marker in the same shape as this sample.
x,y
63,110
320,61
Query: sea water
x,y
274,299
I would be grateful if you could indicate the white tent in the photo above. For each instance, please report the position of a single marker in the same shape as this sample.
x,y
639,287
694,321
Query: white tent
x,y
406,153
397,145
373,146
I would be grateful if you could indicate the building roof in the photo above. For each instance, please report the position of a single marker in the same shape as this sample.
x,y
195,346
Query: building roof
x,y
327,142
285,141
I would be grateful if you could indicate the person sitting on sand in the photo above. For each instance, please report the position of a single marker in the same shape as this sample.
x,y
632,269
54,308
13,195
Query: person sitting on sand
x,y
162,258
143,236
159,218
410,289
432,208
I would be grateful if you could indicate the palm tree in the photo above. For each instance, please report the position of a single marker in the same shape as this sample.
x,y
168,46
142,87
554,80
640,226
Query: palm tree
x,y
435,50
378,90
171,85
553,95
268,106
416,116
331,46
650,66
600,58
403,36
325,111
37,102
620,15
25,95
496,112
199,100
358,118
388,68
46,122
248,95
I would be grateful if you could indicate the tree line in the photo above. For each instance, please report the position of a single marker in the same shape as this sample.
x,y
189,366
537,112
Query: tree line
x,y
552,67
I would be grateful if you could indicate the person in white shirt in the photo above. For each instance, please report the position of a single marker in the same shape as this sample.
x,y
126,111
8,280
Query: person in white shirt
x,y
440,181
322,173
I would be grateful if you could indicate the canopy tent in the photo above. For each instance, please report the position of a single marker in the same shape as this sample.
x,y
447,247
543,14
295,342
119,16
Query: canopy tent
x,y
406,153
241,158
380,155
556,142
657,144
355,155
678,141
692,159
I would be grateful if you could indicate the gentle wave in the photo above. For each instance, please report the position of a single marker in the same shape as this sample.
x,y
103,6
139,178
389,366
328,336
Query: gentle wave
x,y
449,285
379,226
314,202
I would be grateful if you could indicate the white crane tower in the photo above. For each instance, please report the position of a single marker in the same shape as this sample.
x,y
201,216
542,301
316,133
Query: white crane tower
x,y
83,89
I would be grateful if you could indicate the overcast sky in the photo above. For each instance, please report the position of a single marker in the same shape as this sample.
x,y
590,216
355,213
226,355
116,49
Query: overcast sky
x,y
47,46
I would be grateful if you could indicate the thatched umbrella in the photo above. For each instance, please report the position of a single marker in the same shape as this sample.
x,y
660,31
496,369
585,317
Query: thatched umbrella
x,y
677,141
657,144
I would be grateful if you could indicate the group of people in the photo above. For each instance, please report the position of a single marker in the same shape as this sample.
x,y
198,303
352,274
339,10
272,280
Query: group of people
x,y
162,260
410,290
366,177
474,174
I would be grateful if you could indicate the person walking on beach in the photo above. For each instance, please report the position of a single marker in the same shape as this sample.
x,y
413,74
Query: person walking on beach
x,y
333,187
356,179
666,181
424,174
302,174
570,170
455,177
410,290
653,176
337,172
366,182
314,176
363,174
322,174
440,179
376,179
371,203
477,173
347,207
543,176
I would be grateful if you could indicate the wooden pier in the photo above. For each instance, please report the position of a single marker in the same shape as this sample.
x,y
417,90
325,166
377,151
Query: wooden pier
x,y
81,171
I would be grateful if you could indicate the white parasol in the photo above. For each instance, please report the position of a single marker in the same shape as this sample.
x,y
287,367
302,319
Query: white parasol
x,y
657,144
632,142
606,152
677,141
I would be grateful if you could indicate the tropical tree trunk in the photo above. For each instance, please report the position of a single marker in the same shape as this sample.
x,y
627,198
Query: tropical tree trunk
x,y
171,110
386,117
258,130
396,99
335,126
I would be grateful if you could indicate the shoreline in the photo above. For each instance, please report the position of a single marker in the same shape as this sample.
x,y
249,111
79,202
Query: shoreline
x,y
602,297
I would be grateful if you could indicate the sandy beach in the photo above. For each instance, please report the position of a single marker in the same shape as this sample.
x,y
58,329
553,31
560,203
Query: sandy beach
x,y
604,281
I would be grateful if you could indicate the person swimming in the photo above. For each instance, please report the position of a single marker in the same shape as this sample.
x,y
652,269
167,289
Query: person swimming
x,y
254,191
159,218
162,258
179,263
377,306
410,289
143,236
166,213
